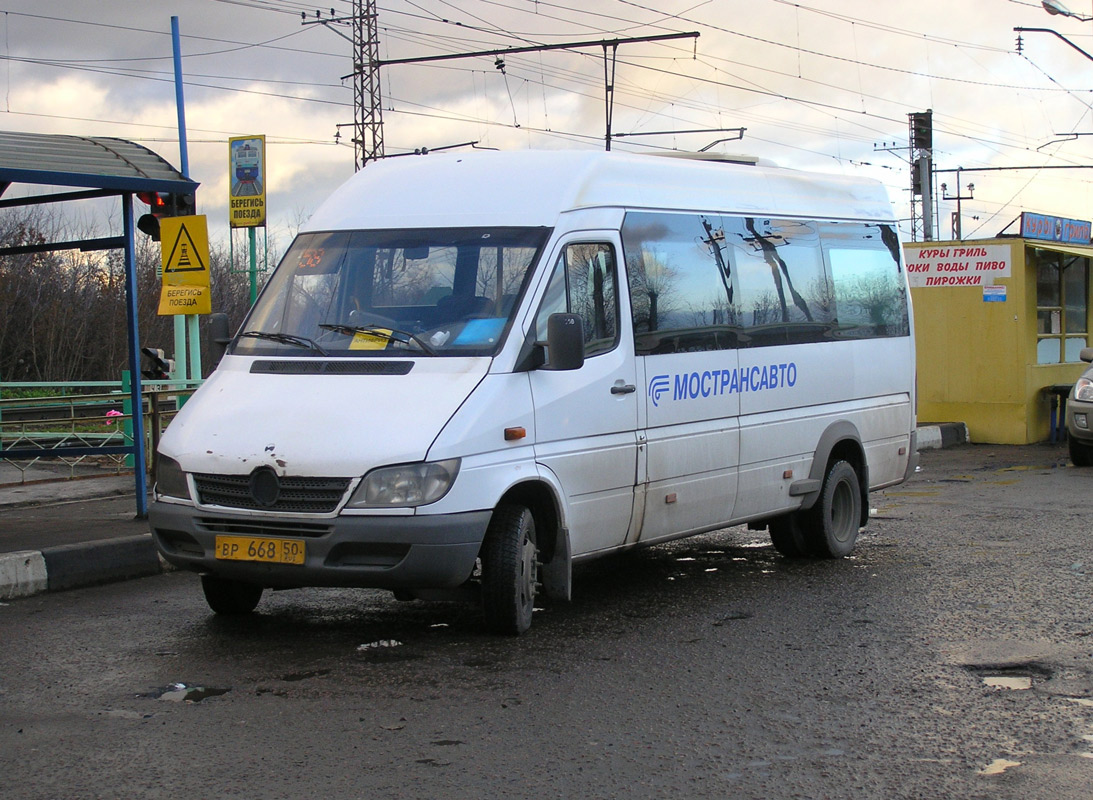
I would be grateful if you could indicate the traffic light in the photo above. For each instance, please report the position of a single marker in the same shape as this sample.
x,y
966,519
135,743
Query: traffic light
x,y
164,204
922,130
159,366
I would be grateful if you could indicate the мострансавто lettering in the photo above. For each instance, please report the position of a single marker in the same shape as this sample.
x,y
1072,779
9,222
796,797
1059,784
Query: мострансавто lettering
x,y
718,382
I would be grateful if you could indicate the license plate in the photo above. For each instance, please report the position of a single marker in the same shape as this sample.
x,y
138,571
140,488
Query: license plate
x,y
254,548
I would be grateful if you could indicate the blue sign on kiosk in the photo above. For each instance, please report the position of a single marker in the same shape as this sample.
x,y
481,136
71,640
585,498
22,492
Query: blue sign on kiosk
x,y
1054,229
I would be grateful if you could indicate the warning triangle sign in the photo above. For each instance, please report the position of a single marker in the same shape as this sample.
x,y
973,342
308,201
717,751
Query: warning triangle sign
x,y
185,266
185,254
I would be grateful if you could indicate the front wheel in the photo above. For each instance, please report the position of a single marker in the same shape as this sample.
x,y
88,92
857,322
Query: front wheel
x,y
231,597
510,570
1081,454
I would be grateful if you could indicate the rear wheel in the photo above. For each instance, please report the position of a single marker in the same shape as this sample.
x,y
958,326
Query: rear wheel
x,y
227,596
789,537
836,518
1081,454
510,570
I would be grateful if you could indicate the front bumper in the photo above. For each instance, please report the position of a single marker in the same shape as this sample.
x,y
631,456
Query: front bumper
x,y
412,552
1079,420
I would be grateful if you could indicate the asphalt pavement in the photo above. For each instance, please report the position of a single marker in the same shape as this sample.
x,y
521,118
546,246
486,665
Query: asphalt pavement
x,y
63,528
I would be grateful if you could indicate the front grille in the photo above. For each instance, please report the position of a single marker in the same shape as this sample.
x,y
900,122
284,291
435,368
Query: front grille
x,y
298,495
315,367
264,527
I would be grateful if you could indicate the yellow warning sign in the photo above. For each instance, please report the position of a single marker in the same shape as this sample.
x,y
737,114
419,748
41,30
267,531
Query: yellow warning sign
x,y
247,181
185,266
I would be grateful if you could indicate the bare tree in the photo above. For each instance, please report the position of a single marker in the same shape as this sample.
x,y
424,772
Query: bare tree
x,y
64,312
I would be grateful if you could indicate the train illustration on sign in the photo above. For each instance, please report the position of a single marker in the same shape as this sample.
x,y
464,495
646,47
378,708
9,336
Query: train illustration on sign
x,y
247,159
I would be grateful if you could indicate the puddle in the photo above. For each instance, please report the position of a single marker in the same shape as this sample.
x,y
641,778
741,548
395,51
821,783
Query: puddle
x,y
381,644
998,766
1015,682
122,713
184,692
303,676
387,651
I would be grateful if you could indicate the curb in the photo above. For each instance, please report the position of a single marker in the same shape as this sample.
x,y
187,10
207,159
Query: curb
x,y
72,566
942,434
37,493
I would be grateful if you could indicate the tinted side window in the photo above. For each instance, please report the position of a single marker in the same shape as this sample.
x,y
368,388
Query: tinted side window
x,y
583,283
786,297
682,284
869,288
710,281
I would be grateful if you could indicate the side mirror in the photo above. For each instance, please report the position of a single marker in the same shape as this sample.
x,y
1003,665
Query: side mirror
x,y
1086,354
565,342
219,334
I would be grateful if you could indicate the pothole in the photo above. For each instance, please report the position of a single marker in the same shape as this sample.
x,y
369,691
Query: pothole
x,y
1011,676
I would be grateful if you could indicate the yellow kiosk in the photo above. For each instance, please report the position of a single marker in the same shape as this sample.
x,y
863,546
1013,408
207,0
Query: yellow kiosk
x,y
999,324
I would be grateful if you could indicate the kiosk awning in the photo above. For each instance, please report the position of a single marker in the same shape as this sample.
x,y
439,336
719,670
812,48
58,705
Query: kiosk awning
x,y
1055,247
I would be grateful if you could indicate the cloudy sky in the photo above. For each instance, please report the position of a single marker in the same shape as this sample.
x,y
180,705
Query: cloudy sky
x,y
821,84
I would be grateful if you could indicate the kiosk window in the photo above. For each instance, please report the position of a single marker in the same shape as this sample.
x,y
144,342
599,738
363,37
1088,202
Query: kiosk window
x,y
1062,292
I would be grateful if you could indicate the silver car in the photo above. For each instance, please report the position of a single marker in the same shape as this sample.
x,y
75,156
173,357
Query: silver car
x,y
1079,416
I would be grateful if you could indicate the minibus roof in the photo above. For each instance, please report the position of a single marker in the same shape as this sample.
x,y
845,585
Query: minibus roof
x,y
533,187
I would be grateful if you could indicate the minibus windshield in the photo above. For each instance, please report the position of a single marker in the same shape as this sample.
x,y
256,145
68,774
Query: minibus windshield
x,y
420,292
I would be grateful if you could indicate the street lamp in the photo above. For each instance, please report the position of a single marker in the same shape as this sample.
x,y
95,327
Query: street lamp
x,y
1054,7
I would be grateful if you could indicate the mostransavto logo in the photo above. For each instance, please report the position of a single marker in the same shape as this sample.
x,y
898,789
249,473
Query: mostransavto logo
x,y
718,382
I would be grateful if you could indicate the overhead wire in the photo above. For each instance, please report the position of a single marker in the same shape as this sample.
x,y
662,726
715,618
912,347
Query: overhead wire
x,y
567,77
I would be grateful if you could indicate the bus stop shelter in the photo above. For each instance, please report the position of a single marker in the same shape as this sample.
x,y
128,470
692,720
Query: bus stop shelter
x,y
81,168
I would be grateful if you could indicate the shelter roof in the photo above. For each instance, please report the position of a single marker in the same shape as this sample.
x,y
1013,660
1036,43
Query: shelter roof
x,y
99,162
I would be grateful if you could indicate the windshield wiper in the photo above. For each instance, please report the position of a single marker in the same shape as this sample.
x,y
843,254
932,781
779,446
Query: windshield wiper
x,y
382,332
286,338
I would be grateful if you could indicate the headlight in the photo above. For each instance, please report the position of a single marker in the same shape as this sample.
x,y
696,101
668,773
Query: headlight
x,y
170,479
406,485
1083,390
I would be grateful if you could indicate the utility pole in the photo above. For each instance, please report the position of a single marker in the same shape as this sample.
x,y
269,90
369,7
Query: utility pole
x,y
956,218
367,100
369,136
922,173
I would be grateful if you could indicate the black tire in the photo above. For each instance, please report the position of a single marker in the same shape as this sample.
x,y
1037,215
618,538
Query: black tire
x,y
510,570
227,596
1081,454
789,537
834,522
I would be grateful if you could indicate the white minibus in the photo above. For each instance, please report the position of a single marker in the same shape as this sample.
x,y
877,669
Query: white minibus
x,y
469,372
